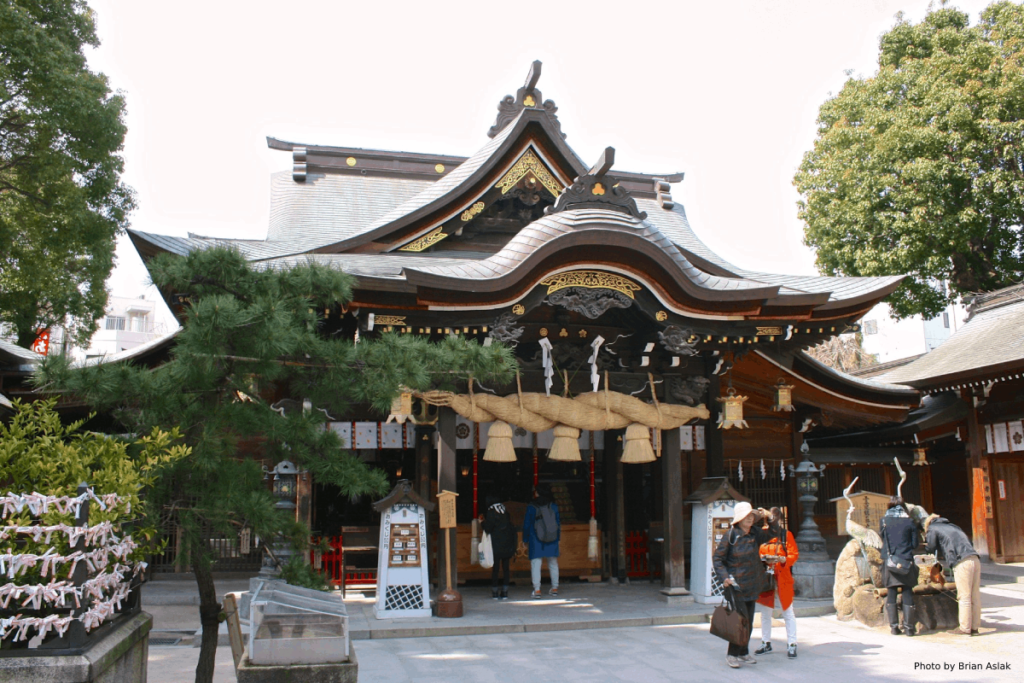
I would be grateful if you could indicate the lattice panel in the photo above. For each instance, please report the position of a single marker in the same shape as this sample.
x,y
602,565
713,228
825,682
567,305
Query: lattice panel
x,y
404,597
716,585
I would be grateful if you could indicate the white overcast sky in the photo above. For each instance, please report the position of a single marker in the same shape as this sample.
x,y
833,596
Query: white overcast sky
x,y
726,92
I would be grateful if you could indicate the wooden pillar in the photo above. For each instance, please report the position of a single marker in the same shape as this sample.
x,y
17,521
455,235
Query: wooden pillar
x,y
673,577
975,446
616,520
424,449
713,444
446,481
304,498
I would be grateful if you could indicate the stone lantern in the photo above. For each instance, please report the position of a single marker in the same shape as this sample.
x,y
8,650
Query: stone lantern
x,y
285,477
814,572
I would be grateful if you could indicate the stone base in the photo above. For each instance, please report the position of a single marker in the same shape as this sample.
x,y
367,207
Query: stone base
x,y
813,580
341,672
676,597
935,612
121,657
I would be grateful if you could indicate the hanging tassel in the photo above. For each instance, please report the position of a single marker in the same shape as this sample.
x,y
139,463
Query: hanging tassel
x,y
739,470
549,370
763,473
474,543
593,551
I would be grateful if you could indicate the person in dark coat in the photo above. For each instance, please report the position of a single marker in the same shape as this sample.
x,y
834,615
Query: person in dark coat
x,y
737,563
498,525
899,539
543,504
954,550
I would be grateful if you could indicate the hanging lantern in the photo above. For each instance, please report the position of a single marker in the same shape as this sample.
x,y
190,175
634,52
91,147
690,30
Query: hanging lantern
x,y
783,397
731,414
637,445
499,443
566,445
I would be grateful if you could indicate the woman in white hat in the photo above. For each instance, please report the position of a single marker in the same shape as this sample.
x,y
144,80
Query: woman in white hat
x,y
737,562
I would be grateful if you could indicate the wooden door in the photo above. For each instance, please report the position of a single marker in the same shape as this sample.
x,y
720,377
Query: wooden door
x,y
1009,507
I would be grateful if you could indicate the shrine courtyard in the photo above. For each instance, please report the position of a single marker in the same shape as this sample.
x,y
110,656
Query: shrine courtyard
x,y
605,632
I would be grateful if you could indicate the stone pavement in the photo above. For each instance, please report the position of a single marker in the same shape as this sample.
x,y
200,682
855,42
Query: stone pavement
x,y
829,650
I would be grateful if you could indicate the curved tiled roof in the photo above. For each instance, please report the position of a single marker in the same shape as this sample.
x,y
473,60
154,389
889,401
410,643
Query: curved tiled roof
x,y
548,229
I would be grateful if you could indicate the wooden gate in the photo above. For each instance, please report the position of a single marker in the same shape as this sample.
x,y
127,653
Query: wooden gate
x,y
1007,486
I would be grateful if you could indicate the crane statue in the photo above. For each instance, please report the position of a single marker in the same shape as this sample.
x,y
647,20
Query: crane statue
x,y
864,542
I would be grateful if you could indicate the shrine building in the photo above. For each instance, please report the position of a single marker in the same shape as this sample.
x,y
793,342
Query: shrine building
x,y
597,279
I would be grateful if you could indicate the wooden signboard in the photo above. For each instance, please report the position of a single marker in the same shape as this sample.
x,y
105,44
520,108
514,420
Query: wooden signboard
x,y
868,509
446,509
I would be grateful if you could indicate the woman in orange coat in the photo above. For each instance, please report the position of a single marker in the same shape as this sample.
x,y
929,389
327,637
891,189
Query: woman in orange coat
x,y
787,553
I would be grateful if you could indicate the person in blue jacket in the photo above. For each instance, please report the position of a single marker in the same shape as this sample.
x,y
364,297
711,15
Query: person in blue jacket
x,y
542,530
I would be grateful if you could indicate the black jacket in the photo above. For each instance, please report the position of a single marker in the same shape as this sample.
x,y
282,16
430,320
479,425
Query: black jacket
x,y
899,532
949,543
739,555
498,524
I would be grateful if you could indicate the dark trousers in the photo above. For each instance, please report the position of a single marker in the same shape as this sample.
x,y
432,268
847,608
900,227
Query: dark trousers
x,y
502,565
908,597
745,607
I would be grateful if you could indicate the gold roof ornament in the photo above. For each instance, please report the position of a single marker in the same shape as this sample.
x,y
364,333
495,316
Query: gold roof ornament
x,y
566,446
591,279
499,443
783,397
731,414
428,240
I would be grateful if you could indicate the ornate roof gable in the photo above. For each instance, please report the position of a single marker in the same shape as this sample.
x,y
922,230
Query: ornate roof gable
x,y
526,97
597,190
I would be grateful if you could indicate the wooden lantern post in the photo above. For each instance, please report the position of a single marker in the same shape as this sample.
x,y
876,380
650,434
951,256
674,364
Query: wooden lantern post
x,y
449,601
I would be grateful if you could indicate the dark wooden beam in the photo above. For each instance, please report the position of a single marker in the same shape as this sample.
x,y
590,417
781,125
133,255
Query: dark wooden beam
x,y
604,164
975,452
615,519
713,442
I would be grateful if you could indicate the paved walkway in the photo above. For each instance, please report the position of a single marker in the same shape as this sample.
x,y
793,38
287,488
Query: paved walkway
x,y
829,650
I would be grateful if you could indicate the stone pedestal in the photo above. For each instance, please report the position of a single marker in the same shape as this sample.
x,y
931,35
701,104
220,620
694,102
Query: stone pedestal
x,y
342,672
121,657
676,597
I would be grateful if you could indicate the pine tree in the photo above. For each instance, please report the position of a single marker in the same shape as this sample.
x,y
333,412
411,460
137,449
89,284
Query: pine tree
x,y
250,336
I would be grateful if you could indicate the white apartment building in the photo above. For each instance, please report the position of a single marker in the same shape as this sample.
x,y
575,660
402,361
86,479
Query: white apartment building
x,y
128,323
889,339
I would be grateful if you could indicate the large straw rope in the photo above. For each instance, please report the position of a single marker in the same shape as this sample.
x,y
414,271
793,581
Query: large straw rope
x,y
592,411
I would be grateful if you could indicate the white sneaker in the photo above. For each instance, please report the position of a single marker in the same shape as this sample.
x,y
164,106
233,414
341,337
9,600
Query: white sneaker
x,y
747,659
733,662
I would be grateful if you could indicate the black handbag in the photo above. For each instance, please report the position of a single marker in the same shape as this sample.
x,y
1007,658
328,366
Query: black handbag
x,y
728,623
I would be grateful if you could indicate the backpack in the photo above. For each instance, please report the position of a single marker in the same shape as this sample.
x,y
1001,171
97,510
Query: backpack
x,y
545,526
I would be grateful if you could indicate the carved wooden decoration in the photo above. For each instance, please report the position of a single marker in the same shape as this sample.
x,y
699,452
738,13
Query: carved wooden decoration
x,y
598,190
527,96
592,303
679,341
590,279
428,240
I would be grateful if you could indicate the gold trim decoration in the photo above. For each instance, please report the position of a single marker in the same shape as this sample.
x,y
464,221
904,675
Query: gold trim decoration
x,y
473,211
597,189
543,331
768,331
530,163
528,101
661,316
591,279
351,161
388,320
439,168
428,240
518,309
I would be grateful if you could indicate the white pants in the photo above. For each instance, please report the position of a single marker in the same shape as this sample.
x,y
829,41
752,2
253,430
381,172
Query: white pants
x,y
552,569
766,622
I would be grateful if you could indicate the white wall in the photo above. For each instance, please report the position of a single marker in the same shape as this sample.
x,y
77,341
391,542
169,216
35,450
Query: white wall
x,y
894,340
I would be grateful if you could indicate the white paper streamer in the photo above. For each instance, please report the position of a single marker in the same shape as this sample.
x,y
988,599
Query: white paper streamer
x,y
549,370
595,376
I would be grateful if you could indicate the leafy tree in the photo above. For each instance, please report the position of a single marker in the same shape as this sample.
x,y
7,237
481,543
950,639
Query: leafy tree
x,y
61,199
248,338
919,169
39,454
